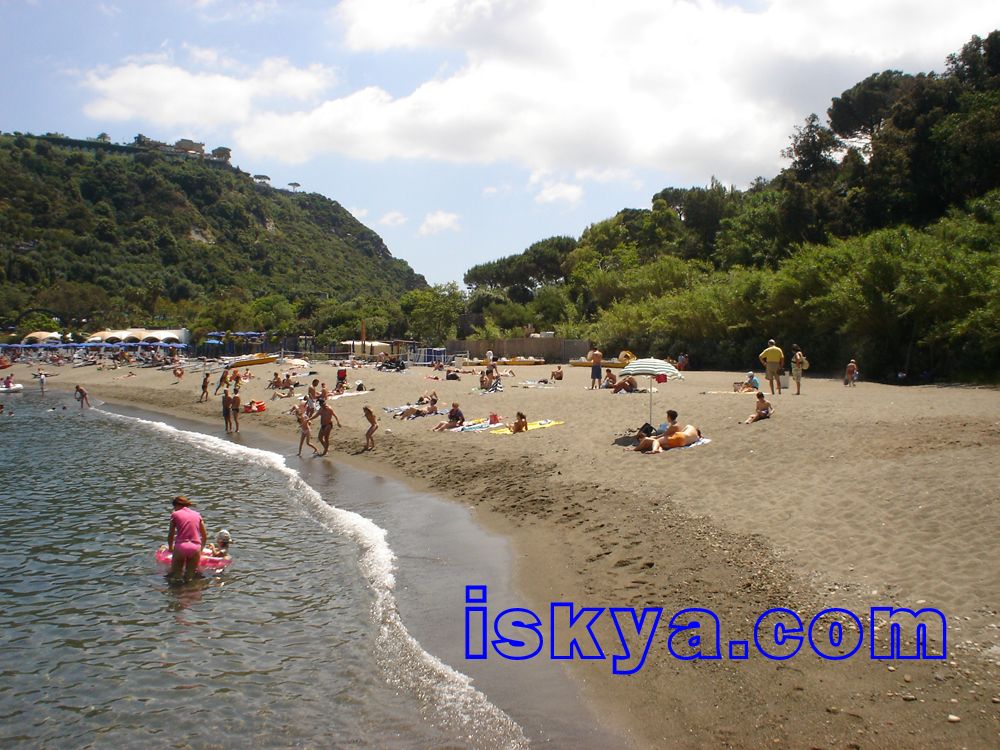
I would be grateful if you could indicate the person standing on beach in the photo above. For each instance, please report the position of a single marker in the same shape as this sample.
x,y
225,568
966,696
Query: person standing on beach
x,y
773,360
305,431
235,407
227,414
204,388
312,398
852,374
797,362
595,358
81,396
41,379
370,435
223,380
326,416
186,539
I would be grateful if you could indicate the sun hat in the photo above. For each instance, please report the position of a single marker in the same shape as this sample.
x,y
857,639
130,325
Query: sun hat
x,y
749,374
222,536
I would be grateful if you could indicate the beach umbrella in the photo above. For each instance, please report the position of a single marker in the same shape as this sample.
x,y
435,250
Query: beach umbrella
x,y
652,368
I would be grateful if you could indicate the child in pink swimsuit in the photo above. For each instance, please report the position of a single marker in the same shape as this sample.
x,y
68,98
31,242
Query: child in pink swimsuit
x,y
186,539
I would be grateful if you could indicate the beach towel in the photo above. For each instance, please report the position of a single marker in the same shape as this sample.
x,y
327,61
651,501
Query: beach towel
x,y
531,426
474,426
495,387
702,441
346,394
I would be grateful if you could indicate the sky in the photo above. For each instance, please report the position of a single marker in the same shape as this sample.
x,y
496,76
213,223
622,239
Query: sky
x,y
462,131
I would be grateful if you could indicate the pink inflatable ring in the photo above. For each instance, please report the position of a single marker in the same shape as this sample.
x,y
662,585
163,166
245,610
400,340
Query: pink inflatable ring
x,y
163,555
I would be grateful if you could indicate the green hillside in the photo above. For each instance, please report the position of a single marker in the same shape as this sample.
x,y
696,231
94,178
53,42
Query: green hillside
x,y
880,242
125,234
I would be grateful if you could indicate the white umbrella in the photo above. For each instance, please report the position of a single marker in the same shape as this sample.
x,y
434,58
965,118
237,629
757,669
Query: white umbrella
x,y
652,367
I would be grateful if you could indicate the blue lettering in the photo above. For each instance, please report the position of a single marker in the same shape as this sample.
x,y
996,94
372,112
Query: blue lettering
x,y
517,619
835,633
780,633
475,623
559,614
695,641
627,664
926,617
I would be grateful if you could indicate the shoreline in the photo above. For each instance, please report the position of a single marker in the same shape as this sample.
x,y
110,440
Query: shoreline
x,y
767,515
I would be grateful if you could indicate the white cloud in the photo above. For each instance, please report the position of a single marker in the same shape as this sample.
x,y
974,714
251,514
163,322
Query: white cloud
x,y
600,89
208,57
393,219
109,10
243,10
553,190
439,221
560,192
169,95
357,213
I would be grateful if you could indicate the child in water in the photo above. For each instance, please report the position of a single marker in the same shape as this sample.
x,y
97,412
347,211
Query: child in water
x,y
221,546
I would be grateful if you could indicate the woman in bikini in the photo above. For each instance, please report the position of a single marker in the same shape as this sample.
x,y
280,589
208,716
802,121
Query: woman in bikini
x,y
305,430
370,435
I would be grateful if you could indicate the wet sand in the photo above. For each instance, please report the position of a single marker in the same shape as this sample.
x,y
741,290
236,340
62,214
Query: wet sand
x,y
848,497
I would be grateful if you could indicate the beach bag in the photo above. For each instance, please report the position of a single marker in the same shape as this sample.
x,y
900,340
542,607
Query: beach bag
x,y
646,430
805,362
494,419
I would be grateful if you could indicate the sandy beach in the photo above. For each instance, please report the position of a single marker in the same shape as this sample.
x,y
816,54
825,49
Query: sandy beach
x,y
847,497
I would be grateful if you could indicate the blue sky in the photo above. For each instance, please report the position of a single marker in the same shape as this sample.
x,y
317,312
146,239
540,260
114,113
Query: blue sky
x,y
464,130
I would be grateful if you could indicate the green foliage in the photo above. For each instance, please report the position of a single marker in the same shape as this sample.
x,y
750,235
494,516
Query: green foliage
x,y
542,263
149,231
888,255
432,313
813,150
861,110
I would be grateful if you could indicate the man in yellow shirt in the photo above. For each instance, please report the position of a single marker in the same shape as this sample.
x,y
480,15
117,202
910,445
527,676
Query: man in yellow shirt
x,y
773,360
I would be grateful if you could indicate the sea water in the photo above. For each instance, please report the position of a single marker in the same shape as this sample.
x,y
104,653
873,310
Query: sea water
x,y
301,642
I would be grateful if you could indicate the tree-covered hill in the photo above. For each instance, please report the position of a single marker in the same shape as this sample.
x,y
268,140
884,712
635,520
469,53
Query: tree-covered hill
x,y
879,242
129,238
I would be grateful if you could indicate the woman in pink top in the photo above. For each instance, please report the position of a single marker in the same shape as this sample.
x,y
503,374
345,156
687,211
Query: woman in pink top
x,y
186,539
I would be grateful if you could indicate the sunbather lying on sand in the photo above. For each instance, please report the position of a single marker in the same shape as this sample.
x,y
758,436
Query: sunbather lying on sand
x,y
418,411
687,436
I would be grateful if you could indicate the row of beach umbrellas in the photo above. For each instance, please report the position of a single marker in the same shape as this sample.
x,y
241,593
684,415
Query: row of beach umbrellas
x,y
92,345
